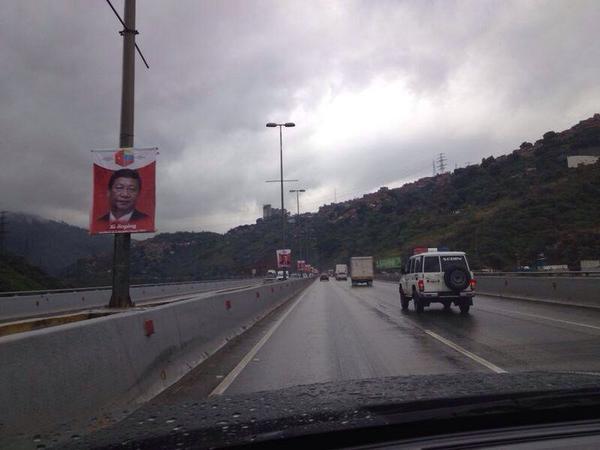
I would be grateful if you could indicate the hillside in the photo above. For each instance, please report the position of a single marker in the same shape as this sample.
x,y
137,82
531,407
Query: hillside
x,y
51,245
17,275
504,212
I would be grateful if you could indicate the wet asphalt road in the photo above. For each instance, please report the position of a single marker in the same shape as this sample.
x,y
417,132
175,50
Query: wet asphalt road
x,y
336,332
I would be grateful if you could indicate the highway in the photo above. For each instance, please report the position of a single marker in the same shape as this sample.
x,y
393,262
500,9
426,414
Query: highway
x,y
335,332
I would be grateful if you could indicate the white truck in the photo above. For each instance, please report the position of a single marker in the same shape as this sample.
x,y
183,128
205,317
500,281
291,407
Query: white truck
x,y
341,272
361,270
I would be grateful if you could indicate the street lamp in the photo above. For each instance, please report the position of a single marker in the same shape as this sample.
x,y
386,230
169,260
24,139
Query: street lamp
x,y
281,125
297,191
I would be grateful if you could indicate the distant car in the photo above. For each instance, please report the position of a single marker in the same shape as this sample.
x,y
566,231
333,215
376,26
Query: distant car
x,y
280,275
324,277
270,277
437,277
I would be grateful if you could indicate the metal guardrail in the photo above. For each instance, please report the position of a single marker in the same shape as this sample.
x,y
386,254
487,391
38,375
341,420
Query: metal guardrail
x,y
540,274
536,274
103,288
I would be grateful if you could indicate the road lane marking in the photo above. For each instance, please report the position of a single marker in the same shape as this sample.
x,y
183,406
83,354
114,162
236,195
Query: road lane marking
x,y
468,354
579,324
231,376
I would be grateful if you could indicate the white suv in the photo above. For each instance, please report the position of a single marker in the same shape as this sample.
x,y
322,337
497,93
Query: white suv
x,y
437,277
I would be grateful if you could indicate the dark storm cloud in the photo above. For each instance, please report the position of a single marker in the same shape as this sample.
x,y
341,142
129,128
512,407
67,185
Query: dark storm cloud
x,y
376,88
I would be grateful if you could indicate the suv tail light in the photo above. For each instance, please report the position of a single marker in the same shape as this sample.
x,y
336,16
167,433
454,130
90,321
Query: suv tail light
x,y
473,283
421,285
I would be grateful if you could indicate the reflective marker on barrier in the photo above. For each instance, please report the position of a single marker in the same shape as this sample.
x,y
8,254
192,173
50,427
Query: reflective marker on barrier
x,y
227,304
258,295
149,327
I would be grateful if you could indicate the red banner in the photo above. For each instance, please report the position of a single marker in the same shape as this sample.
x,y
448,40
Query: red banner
x,y
124,191
284,258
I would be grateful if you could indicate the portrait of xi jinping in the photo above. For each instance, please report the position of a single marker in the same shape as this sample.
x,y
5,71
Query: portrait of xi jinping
x,y
124,188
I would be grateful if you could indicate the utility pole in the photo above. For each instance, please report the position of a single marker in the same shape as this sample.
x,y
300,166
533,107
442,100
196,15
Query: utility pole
x,y
433,163
120,297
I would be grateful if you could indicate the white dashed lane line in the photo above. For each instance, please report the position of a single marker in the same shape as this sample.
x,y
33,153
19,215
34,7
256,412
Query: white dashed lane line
x,y
468,354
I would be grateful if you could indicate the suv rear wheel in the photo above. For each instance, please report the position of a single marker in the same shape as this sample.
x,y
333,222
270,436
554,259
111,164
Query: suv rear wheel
x,y
456,278
464,308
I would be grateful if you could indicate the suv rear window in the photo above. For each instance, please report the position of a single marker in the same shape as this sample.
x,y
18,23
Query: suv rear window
x,y
418,264
432,264
453,261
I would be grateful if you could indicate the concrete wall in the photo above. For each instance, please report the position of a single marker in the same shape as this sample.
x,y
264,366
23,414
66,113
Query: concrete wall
x,y
92,368
584,291
22,306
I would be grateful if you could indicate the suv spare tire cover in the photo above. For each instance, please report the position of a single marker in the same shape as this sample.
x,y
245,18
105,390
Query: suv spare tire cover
x,y
456,278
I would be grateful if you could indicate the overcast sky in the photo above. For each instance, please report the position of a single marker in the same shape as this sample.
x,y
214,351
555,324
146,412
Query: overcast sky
x,y
376,89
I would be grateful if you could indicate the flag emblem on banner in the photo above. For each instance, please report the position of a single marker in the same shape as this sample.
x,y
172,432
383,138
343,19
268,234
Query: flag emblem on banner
x,y
124,157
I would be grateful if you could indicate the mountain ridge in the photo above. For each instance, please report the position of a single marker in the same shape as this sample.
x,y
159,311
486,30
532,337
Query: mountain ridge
x,y
504,211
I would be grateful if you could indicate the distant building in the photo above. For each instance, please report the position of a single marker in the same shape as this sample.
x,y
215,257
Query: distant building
x,y
581,160
267,211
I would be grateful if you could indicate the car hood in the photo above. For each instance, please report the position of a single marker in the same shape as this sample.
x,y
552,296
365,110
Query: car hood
x,y
227,420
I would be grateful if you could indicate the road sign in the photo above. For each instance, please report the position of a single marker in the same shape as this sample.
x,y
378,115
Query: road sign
x,y
393,262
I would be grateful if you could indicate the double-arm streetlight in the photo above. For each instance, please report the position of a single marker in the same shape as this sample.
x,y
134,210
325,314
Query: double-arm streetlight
x,y
281,125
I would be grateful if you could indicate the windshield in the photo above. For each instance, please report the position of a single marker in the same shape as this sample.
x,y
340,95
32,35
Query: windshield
x,y
203,200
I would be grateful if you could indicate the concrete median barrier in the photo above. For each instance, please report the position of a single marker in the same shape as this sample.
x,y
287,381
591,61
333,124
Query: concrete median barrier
x,y
91,369
580,291
20,306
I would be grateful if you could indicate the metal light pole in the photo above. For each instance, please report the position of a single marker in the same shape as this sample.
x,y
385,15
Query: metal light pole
x,y
280,125
297,191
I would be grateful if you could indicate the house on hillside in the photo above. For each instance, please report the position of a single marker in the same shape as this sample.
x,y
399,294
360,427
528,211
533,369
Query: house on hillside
x,y
581,160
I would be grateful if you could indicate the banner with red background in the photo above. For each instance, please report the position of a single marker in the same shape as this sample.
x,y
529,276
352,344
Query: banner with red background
x,y
130,205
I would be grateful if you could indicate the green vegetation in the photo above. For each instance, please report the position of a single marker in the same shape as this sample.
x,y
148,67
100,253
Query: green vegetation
x,y
503,212
49,244
17,275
